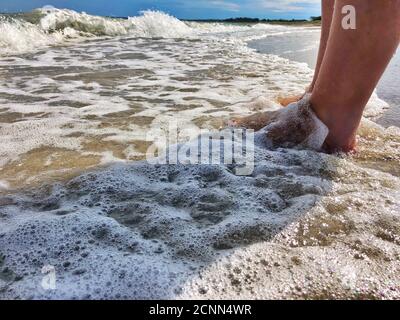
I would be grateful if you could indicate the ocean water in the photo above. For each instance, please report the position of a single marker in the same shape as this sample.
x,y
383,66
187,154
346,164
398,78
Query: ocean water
x,y
83,216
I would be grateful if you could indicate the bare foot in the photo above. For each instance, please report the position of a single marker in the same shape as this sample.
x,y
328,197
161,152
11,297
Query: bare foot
x,y
285,101
337,140
342,129
256,121
332,147
296,125
259,120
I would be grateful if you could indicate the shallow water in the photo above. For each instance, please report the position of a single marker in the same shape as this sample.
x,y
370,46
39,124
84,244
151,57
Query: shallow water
x,y
302,225
74,107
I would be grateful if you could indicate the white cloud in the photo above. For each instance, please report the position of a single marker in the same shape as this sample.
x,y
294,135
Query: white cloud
x,y
285,5
252,5
229,6
211,4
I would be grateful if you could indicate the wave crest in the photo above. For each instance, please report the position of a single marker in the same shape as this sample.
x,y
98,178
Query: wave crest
x,y
61,19
50,26
19,34
158,24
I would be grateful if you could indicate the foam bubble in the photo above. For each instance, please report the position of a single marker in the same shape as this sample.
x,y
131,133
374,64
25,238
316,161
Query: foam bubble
x,y
20,36
290,230
51,26
56,19
302,225
295,126
4,185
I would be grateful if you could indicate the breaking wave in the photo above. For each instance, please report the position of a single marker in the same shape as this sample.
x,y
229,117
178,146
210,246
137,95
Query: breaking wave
x,y
48,26
303,225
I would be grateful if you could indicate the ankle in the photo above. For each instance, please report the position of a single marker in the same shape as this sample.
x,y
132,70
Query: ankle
x,y
333,145
342,130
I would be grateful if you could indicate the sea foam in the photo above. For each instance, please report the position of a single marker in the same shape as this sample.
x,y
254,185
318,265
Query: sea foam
x,y
302,225
50,26
292,229
59,26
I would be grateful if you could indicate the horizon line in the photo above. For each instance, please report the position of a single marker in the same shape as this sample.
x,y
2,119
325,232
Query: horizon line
x,y
310,18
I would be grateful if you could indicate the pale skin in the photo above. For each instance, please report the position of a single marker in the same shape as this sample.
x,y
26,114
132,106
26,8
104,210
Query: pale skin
x,y
350,65
327,14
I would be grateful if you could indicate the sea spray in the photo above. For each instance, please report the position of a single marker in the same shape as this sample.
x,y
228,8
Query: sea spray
x,y
50,26
19,34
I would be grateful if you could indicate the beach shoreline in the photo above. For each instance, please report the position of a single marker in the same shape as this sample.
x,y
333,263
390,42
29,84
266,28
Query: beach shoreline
x,y
301,225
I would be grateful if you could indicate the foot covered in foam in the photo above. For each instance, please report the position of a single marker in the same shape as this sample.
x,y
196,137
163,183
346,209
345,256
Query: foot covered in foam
x,y
256,121
295,126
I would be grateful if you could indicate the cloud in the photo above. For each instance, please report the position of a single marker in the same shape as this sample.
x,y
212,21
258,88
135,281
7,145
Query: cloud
x,y
213,4
257,5
224,5
286,5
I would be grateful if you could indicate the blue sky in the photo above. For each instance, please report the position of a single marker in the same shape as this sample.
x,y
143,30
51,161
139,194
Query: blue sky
x,y
190,9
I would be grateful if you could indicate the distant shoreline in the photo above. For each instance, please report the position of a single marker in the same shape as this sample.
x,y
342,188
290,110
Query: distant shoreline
x,y
314,21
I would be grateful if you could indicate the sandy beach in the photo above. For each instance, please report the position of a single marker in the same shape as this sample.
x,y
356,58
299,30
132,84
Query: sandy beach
x,y
84,216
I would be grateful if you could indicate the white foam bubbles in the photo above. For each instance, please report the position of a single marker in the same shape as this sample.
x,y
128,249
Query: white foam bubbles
x,y
4,185
19,36
296,125
139,231
59,26
158,24
302,220
61,19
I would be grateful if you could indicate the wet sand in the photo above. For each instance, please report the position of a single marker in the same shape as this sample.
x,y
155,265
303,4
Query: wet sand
x,y
77,208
